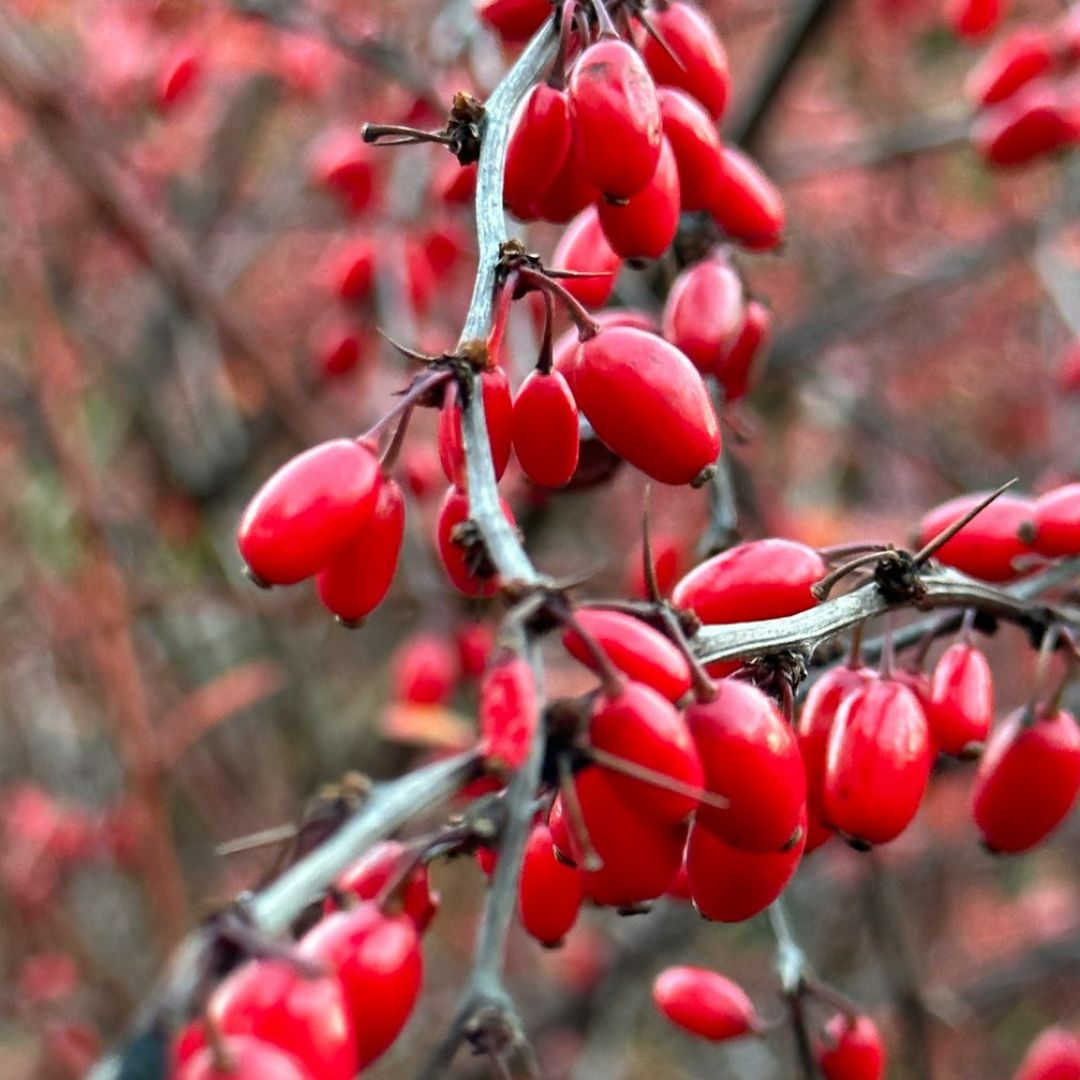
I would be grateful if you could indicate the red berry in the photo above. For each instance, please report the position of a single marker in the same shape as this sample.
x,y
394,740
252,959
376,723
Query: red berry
x,y
377,960
751,758
498,416
1054,1055
546,436
368,877
635,648
961,705
355,582
878,762
747,204
424,670
513,20
852,1049
508,711
695,144
667,556
1027,780
694,59
761,579
1056,521
616,118
178,77
640,858
308,1018
644,226
458,557
1014,61
538,149
585,249
704,1003
335,346
350,272
550,892
814,725
986,547
1035,121
647,403
728,884
736,368
309,511
704,311
643,728
244,1058
474,641
973,18
341,162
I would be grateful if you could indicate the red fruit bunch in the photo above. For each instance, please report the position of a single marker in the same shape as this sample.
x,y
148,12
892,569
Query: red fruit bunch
x,y
1024,86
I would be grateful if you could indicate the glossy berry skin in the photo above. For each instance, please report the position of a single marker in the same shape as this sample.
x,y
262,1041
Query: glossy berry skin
x,y
309,511
747,204
973,18
568,343
1054,1055
751,758
1032,123
812,729
570,193
640,858
1011,63
307,1018
704,1003
355,582
549,892
736,368
852,1049
513,20
702,66
1027,780
761,579
635,648
616,118
508,711
644,227
728,884
961,705
424,670
368,877
986,547
498,416
642,727
647,403
377,960
878,762
248,1059
704,311
546,433
1056,521
538,148
585,249
695,144
453,513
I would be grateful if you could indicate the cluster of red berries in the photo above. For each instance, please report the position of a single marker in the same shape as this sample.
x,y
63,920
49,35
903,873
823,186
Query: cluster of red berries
x,y
1027,91
1011,536
334,1004
711,1006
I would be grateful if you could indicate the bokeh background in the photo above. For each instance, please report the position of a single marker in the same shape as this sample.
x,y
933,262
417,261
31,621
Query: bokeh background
x,y
168,334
